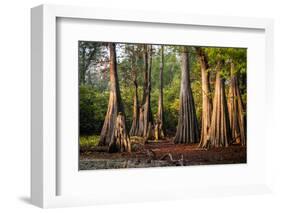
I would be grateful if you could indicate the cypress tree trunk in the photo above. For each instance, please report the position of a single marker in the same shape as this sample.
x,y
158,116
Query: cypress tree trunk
x,y
159,127
236,110
135,124
83,68
141,108
187,129
120,141
145,113
114,104
141,122
147,116
219,132
206,98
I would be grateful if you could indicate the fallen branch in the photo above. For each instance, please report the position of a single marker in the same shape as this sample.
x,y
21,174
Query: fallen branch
x,y
166,157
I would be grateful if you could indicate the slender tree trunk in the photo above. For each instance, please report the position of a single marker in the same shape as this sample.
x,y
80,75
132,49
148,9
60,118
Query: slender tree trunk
x,y
159,127
141,122
135,124
145,76
219,134
145,114
114,104
83,67
89,78
171,74
206,97
236,110
187,129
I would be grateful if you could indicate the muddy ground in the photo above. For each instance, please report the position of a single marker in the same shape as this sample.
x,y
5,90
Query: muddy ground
x,y
158,154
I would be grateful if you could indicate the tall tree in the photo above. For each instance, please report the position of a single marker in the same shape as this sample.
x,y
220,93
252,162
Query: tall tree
x,y
135,123
236,109
219,131
88,52
145,113
187,129
145,77
159,127
206,95
115,105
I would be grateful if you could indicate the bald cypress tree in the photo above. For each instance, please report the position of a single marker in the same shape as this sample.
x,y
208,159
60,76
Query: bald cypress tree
x,y
145,113
206,95
135,123
115,105
187,128
159,126
219,134
236,109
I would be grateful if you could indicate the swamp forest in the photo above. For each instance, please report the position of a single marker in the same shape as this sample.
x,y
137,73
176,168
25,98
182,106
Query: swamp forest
x,y
150,105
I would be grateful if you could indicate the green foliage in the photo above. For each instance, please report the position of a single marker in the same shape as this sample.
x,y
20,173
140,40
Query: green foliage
x,y
88,142
127,94
171,66
92,110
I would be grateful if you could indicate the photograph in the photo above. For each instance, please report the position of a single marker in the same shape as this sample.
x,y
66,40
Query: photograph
x,y
157,105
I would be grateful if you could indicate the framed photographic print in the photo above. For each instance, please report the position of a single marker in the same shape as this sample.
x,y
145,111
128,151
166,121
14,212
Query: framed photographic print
x,y
150,106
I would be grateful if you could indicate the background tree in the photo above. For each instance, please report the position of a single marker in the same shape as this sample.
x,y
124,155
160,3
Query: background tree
x,y
88,53
135,123
171,86
159,126
145,113
115,105
187,129
148,117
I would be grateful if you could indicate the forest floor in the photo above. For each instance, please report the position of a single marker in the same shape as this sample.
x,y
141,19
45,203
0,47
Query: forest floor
x,y
158,154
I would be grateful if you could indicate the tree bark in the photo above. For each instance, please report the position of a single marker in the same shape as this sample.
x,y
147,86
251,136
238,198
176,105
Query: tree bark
x,y
120,141
206,96
141,122
83,68
236,110
187,129
114,104
219,134
147,116
145,113
159,126
89,78
135,124
145,76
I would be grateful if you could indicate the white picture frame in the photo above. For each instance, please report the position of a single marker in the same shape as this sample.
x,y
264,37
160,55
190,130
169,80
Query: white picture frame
x,y
44,150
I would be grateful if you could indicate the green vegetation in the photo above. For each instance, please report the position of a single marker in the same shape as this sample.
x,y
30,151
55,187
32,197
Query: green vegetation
x,y
92,109
88,142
